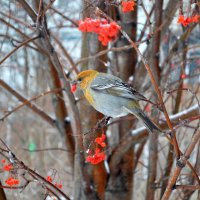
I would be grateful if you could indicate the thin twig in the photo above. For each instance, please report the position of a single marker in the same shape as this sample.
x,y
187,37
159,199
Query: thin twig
x,y
38,14
22,44
47,8
186,187
28,102
28,9
180,164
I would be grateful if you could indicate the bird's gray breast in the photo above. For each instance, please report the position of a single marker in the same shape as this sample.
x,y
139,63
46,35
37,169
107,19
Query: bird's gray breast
x,y
108,104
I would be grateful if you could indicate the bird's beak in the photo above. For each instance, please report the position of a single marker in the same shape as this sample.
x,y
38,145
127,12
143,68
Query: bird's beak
x,y
74,82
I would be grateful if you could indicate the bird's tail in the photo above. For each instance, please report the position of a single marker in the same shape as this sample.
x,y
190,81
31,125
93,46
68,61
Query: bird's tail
x,y
151,126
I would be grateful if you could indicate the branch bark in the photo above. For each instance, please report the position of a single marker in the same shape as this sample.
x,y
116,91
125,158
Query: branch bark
x,y
180,165
26,102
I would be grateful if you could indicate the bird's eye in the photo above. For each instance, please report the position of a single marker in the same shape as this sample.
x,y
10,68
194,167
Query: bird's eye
x,y
80,79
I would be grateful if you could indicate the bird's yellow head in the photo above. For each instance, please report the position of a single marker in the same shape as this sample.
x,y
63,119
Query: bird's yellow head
x,y
84,78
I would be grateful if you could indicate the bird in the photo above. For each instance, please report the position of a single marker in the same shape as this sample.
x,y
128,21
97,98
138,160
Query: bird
x,y
112,97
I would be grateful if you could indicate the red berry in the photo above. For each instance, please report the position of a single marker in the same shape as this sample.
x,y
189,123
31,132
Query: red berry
x,y
73,88
183,76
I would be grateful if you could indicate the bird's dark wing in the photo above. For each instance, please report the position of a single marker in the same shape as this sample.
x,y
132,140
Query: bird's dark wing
x,y
112,85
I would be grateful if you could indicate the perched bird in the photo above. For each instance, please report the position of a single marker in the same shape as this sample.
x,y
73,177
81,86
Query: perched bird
x,y
109,95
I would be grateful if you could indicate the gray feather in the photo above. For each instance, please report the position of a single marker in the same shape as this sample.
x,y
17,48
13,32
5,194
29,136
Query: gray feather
x,y
115,86
150,125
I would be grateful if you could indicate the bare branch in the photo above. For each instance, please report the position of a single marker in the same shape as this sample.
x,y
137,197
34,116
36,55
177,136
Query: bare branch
x,y
21,45
28,103
28,9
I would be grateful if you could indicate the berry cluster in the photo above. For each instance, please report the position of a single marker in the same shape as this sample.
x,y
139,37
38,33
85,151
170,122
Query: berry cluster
x,y
12,181
187,20
128,6
106,31
98,155
58,185
8,167
101,140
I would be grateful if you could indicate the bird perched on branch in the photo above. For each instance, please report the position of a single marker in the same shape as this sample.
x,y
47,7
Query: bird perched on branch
x,y
109,95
